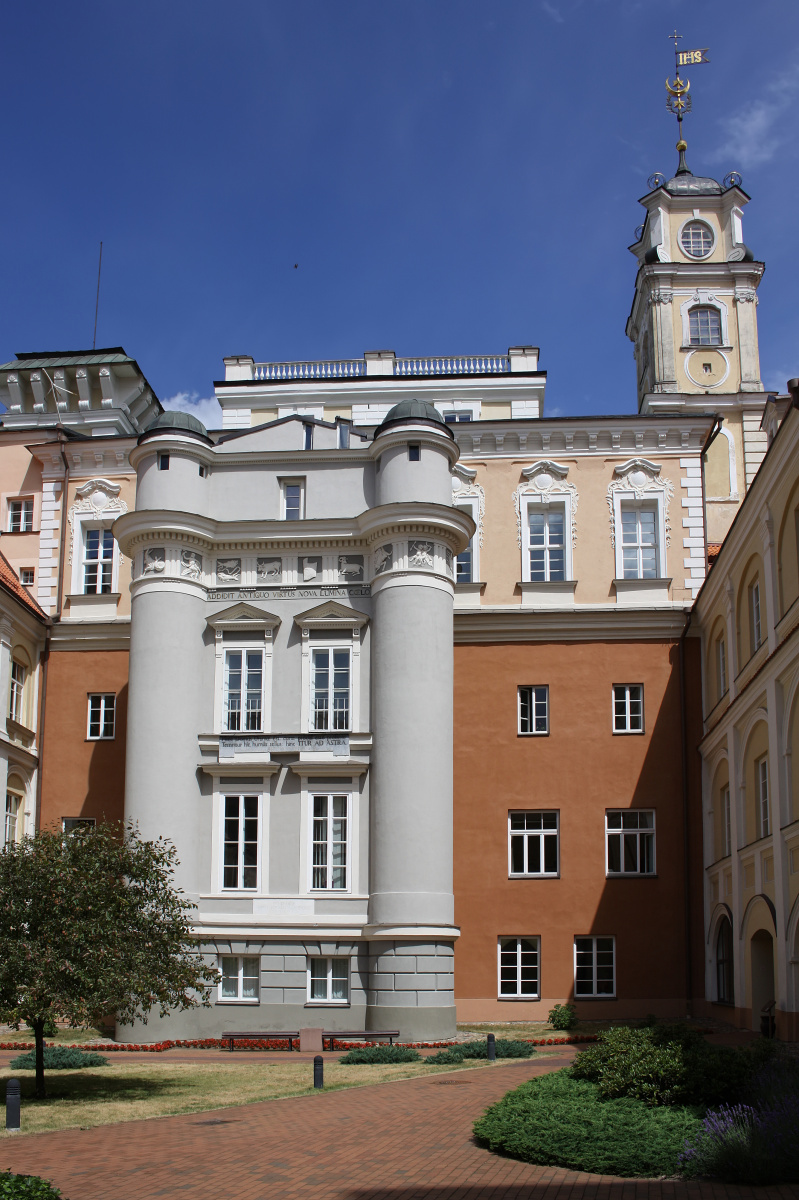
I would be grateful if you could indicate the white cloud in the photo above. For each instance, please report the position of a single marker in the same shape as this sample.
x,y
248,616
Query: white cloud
x,y
553,11
758,131
206,408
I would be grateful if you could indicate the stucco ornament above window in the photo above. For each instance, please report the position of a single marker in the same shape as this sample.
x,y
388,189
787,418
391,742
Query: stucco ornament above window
x,y
543,480
463,485
96,500
640,478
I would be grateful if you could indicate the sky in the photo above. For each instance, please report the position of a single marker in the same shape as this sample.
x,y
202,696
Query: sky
x,y
307,179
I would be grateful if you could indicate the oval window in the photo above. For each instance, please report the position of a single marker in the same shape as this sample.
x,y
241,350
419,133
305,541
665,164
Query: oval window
x,y
696,239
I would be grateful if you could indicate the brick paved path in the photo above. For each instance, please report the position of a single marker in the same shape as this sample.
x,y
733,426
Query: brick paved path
x,y
409,1140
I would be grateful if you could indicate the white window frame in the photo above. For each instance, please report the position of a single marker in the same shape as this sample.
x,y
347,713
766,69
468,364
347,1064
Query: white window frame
x,y
331,648
104,698
22,501
83,523
721,666
503,943
692,220
595,939
338,627
637,506
762,798
526,835
16,693
638,832
562,500
626,729
535,698
329,796
329,1001
652,499
249,793
702,299
470,505
726,822
14,809
244,692
471,409
755,616
30,571
298,481
240,998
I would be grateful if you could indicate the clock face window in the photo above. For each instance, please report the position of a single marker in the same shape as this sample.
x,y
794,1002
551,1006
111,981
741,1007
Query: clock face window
x,y
696,239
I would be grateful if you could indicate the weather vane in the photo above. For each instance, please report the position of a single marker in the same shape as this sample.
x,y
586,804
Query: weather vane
x,y
679,98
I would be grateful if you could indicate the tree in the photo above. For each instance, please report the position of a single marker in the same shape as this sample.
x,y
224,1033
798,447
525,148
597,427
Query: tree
x,y
91,925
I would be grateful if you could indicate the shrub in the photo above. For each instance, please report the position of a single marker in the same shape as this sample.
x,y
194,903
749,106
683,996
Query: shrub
x,y
381,1054
742,1144
505,1048
49,1029
59,1058
26,1187
664,1065
562,1016
560,1121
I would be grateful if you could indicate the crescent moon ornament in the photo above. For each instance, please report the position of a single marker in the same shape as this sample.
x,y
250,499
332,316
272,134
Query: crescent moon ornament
x,y
678,88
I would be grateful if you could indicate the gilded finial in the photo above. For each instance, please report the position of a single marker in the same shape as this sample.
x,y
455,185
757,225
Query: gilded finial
x,y
678,100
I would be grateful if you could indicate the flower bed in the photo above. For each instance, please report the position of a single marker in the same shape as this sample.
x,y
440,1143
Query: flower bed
x,y
267,1044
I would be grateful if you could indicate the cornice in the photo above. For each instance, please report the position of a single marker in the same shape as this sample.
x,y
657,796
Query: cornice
x,y
91,635
578,623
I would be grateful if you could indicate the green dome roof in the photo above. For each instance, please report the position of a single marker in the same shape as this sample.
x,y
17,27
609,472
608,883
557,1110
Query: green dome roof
x,y
413,410
182,421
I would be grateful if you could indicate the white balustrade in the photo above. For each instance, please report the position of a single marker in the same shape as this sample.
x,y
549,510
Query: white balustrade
x,y
339,368
459,364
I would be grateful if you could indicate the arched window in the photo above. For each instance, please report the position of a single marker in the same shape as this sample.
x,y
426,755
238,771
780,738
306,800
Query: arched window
x,y
704,326
14,814
725,992
696,239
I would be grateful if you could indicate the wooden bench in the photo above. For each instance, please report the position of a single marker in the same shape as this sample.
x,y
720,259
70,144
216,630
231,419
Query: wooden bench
x,y
271,1035
361,1035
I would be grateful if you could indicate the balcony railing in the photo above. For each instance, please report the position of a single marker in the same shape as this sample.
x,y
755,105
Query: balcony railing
x,y
385,366
458,364
333,368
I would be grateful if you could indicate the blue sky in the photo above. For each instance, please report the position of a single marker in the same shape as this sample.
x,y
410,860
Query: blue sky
x,y
450,176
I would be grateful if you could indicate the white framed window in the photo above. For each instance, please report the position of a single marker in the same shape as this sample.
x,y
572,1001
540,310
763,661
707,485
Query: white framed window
x,y
331,687
414,452
328,980
16,707
102,716
639,540
20,516
696,239
721,666
630,841
726,823
533,844
244,690
628,708
163,462
755,629
546,542
467,563
452,418
761,797
98,560
292,499
330,847
518,968
594,966
240,977
27,576
534,709
12,826
240,842
704,326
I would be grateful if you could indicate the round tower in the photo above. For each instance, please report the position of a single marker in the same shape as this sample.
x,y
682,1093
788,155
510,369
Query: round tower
x,y
415,533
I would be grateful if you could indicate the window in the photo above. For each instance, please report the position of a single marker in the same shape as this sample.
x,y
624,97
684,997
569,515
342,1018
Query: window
x,y
244,683
102,711
16,708
630,841
202,471
414,453
546,543
463,566
307,437
13,825
755,632
293,499
721,667
628,708
696,239
704,327
639,544
240,837
761,795
725,993
68,824
594,966
98,561
330,842
163,462
452,418
726,824
534,710
240,977
20,516
467,564
533,843
343,436
330,688
328,980
26,575
518,968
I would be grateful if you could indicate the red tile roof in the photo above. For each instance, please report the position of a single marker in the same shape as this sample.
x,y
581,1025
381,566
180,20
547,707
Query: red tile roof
x,y
713,552
10,581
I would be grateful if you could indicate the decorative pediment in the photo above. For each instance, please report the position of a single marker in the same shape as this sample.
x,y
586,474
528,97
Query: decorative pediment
x,y
103,489
637,472
543,480
95,500
462,474
463,485
243,617
331,615
544,473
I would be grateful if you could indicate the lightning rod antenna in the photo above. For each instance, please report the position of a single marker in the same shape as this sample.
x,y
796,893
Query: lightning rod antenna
x,y
97,301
